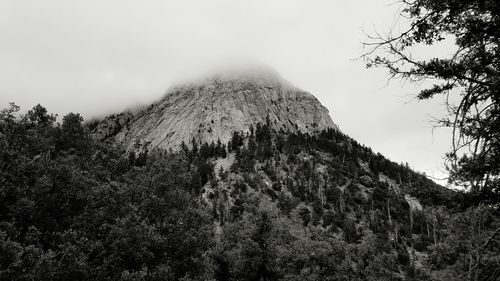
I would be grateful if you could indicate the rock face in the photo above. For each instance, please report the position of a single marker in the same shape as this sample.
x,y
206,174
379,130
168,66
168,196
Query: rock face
x,y
213,108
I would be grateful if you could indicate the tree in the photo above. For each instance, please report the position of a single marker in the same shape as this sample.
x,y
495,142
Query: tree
x,y
73,134
471,75
236,140
38,116
220,149
194,143
131,158
470,251
184,148
79,216
259,253
205,151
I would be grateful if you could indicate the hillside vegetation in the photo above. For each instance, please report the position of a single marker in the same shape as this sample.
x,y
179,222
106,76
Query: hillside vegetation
x,y
268,205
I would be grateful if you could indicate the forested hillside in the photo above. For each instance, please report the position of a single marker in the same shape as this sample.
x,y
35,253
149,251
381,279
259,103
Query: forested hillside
x,y
268,205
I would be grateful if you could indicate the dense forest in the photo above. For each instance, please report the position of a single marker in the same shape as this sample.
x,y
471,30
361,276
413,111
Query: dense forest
x,y
268,205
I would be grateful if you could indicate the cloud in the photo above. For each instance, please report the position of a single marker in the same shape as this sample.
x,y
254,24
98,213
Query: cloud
x,y
96,57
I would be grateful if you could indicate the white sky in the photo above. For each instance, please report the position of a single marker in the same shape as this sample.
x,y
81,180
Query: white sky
x,y
102,56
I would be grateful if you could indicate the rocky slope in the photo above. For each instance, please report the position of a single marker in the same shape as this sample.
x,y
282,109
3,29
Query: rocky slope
x,y
213,108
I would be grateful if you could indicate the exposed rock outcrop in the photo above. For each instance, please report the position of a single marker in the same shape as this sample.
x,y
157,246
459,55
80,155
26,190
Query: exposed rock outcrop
x,y
213,108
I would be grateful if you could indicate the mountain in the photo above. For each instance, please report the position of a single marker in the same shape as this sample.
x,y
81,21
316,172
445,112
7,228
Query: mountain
x,y
274,202
285,184
211,109
236,121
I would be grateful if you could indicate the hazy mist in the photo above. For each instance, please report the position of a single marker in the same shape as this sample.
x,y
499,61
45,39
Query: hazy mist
x,y
99,57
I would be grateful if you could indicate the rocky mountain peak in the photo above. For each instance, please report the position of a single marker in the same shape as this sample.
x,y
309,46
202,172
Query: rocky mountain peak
x,y
212,108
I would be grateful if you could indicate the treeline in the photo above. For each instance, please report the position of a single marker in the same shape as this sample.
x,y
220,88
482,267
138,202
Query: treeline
x,y
264,144
75,209
348,201
291,207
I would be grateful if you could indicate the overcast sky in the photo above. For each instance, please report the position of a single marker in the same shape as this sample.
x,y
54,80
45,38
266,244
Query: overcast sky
x,y
99,57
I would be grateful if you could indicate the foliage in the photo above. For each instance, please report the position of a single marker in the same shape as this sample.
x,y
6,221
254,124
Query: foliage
x,y
293,206
470,74
73,209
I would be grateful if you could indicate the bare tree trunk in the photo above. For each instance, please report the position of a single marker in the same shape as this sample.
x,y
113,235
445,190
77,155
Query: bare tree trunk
x,y
389,212
470,267
372,213
396,230
434,231
411,220
341,203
